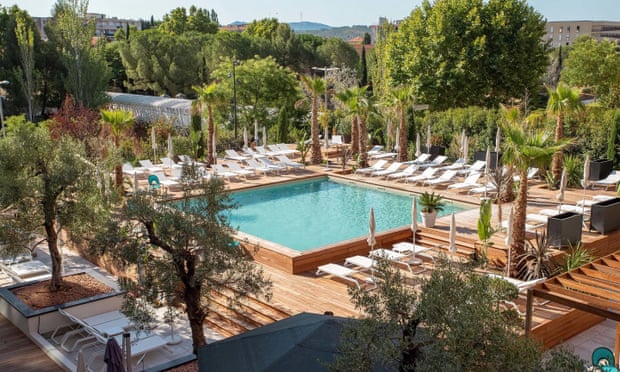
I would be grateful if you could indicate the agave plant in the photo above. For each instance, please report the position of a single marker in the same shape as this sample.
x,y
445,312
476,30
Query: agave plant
x,y
577,256
535,262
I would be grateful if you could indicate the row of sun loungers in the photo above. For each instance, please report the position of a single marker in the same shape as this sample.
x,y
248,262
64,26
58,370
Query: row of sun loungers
x,y
95,330
403,254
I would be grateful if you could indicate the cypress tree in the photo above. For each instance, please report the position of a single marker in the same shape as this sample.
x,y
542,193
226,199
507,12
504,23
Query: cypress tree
x,y
363,68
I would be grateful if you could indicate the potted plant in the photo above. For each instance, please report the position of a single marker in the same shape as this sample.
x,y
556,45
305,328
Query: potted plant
x,y
430,204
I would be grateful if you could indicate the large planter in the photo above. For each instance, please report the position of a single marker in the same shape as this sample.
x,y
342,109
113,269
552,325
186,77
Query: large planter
x,y
605,216
482,156
564,229
600,169
434,151
428,219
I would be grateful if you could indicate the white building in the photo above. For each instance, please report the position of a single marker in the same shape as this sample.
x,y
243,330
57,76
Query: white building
x,y
566,32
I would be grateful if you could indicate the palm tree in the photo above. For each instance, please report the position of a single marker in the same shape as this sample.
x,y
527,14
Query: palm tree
x,y
366,106
118,121
562,102
400,98
524,148
209,97
349,102
315,87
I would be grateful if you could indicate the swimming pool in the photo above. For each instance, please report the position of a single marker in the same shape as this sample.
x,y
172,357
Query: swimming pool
x,y
314,213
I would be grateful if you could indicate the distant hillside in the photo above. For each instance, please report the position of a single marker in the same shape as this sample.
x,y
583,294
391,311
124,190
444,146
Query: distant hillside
x,y
304,27
344,33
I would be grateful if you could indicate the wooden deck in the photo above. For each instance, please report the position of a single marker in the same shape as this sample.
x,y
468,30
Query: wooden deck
x,y
18,353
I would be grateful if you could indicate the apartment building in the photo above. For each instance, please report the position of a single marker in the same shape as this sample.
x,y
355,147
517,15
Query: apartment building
x,y
104,27
566,32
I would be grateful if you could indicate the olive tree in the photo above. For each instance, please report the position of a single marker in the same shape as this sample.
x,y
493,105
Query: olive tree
x,y
47,184
182,250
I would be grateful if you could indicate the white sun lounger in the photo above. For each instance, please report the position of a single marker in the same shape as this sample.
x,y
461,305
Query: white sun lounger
x,y
375,150
234,155
150,167
532,228
522,287
130,170
341,272
220,171
435,162
476,167
283,147
398,258
488,188
446,177
427,174
271,165
234,167
27,271
289,163
408,248
373,168
258,167
393,168
363,262
469,183
407,172
611,180
423,158
595,199
539,218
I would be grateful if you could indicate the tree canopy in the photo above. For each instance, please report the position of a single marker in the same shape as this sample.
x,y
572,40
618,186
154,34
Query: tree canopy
x,y
468,52
594,65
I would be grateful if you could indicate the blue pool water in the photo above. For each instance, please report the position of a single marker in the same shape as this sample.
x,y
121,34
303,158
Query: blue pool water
x,y
310,214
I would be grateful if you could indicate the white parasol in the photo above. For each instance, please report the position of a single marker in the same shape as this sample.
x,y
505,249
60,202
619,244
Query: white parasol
x,y
256,131
264,142
414,221
371,230
428,140
170,151
465,149
154,143
397,140
452,247
418,145
213,149
245,137
560,195
498,138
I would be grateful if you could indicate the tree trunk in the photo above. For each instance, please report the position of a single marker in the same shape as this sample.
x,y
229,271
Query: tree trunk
x,y
316,145
196,315
355,141
52,242
518,225
402,139
363,136
118,176
210,131
556,165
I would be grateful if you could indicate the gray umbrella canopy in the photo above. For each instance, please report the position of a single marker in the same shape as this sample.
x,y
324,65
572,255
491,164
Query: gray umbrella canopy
x,y
302,343
113,356
418,145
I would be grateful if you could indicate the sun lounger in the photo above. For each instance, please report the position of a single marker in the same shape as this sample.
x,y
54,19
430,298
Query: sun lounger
x,y
538,218
398,258
289,163
531,228
186,159
165,181
409,248
435,162
220,171
469,183
262,151
169,163
611,180
375,150
341,272
362,262
27,271
286,150
407,172
373,168
258,167
393,168
271,165
476,167
427,174
563,209
236,168
423,158
384,155
446,177
458,164
129,169
234,155
150,167
522,287
595,199
489,188
531,173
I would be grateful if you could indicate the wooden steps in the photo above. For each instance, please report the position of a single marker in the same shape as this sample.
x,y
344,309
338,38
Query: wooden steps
x,y
231,314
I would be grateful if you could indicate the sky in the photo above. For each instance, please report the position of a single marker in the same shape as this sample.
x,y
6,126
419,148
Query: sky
x,y
330,12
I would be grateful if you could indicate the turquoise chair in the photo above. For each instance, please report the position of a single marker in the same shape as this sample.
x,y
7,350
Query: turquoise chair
x,y
154,182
